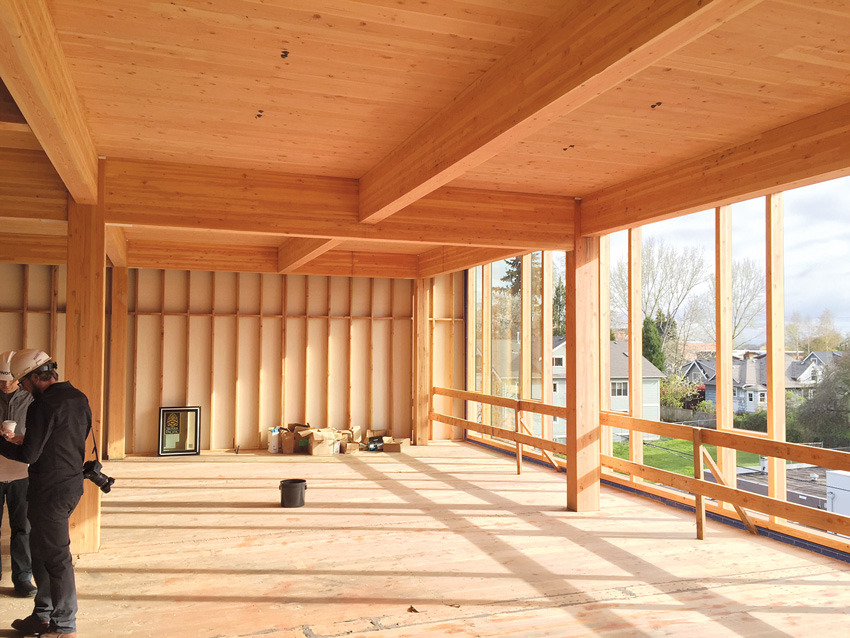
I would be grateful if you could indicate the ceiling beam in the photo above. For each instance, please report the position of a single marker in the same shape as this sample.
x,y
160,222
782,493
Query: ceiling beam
x,y
804,152
33,249
20,136
116,246
38,77
449,259
30,187
263,259
341,263
167,195
583,51
296,252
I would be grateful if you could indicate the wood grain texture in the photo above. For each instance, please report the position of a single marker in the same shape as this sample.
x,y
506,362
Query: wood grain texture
x,y
167,195
294,253
84,348
800,153
30,187
38,76
585,49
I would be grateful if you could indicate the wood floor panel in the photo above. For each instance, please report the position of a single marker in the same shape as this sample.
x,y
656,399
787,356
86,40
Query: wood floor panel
x,y
439,541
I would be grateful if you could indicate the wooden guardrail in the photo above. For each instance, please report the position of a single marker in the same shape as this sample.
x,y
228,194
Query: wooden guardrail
x,y
700,437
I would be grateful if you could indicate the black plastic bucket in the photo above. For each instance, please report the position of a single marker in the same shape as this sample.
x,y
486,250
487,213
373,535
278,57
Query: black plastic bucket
x,y
292,492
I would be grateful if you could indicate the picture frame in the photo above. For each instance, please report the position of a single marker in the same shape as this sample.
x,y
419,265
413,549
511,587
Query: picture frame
x,y
179,430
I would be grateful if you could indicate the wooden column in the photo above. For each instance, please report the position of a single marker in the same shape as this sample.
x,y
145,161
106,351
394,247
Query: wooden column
x,y
117,364
723,330
582,361
775,298
421,362
606,436
84,347
635,342
546,346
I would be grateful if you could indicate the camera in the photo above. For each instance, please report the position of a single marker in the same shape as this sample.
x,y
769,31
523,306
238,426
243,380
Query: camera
x,y
92,471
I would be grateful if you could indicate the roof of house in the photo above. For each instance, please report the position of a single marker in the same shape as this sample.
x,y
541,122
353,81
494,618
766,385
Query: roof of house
x,y
750,372
619,360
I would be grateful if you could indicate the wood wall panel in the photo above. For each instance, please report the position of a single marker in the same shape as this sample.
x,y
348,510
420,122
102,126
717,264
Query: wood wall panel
x,y
186,331
146,384
200,392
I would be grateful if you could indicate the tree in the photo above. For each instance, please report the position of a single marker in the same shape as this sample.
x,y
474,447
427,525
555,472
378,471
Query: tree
x,y
748,285
559,307
652,348
803,335
826,416
669,276
678,392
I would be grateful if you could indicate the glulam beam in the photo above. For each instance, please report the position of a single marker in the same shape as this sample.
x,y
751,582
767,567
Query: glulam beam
x,y
297,252
38,77
21,248
584,50
167,195
804,152
449,259
116,246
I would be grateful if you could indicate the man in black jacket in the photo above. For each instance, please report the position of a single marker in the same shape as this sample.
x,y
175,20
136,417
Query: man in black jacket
x,y
54,446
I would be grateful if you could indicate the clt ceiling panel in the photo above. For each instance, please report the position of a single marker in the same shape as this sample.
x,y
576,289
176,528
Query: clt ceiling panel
x,y
298,86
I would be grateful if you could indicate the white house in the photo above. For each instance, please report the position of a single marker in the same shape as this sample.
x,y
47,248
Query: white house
x,y
619,385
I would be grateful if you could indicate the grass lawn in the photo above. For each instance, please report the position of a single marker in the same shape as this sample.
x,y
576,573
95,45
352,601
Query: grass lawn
x,y
675,455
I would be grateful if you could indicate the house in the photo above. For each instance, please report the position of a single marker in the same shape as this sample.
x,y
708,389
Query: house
x,y
619,387
749,377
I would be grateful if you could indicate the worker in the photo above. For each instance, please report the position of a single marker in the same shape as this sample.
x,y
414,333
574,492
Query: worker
x,y
14,402
58,423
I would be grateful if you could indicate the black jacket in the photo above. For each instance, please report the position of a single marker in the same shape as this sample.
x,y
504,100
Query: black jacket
x,y
58,423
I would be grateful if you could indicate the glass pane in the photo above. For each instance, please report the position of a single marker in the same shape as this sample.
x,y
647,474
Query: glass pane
x,y
559,370
506,336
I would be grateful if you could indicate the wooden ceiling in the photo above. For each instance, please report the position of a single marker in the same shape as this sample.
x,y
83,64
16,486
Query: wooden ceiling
x,y
394,138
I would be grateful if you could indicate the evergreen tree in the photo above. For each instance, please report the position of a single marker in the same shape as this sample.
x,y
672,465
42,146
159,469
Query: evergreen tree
x,y
559,308
652,348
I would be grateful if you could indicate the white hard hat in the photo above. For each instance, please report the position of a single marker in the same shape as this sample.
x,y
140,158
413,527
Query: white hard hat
x,y
27,360
6,366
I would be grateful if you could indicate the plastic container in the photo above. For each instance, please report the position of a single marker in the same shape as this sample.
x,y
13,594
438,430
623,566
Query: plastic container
x,y
274,440
292,492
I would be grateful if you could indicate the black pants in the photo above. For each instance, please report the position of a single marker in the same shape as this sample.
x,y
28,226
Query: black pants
x,y
50,541
15,495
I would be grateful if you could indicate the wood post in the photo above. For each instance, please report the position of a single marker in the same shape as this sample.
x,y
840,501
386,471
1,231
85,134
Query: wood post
x,y
582,362
606,435
116,417
775,298
635,342
421,361
699,500
723,332
84,347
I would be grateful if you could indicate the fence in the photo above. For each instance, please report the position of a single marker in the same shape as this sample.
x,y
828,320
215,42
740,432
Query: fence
x,y
774,512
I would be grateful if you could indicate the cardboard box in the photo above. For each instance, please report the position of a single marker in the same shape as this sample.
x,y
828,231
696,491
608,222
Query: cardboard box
x,y
349,447
287,442
396,445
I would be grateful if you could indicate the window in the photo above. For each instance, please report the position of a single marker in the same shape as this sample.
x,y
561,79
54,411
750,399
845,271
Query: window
x,y
762,397
554,387
811,393
734,392
750,397
619,388
558,361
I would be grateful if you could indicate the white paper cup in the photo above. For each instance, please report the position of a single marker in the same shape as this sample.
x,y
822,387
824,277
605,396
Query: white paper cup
x,y
9,426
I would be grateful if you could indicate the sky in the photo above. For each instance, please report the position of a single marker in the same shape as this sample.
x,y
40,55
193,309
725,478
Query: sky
x,y
817,246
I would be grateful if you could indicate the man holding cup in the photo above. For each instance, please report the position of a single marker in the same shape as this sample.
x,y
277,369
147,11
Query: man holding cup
x,y
14,402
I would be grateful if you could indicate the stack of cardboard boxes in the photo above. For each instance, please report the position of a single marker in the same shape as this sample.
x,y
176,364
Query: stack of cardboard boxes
x,y
302,439
297,438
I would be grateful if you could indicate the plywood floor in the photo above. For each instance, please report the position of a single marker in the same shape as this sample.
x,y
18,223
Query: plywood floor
x,y
201,548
